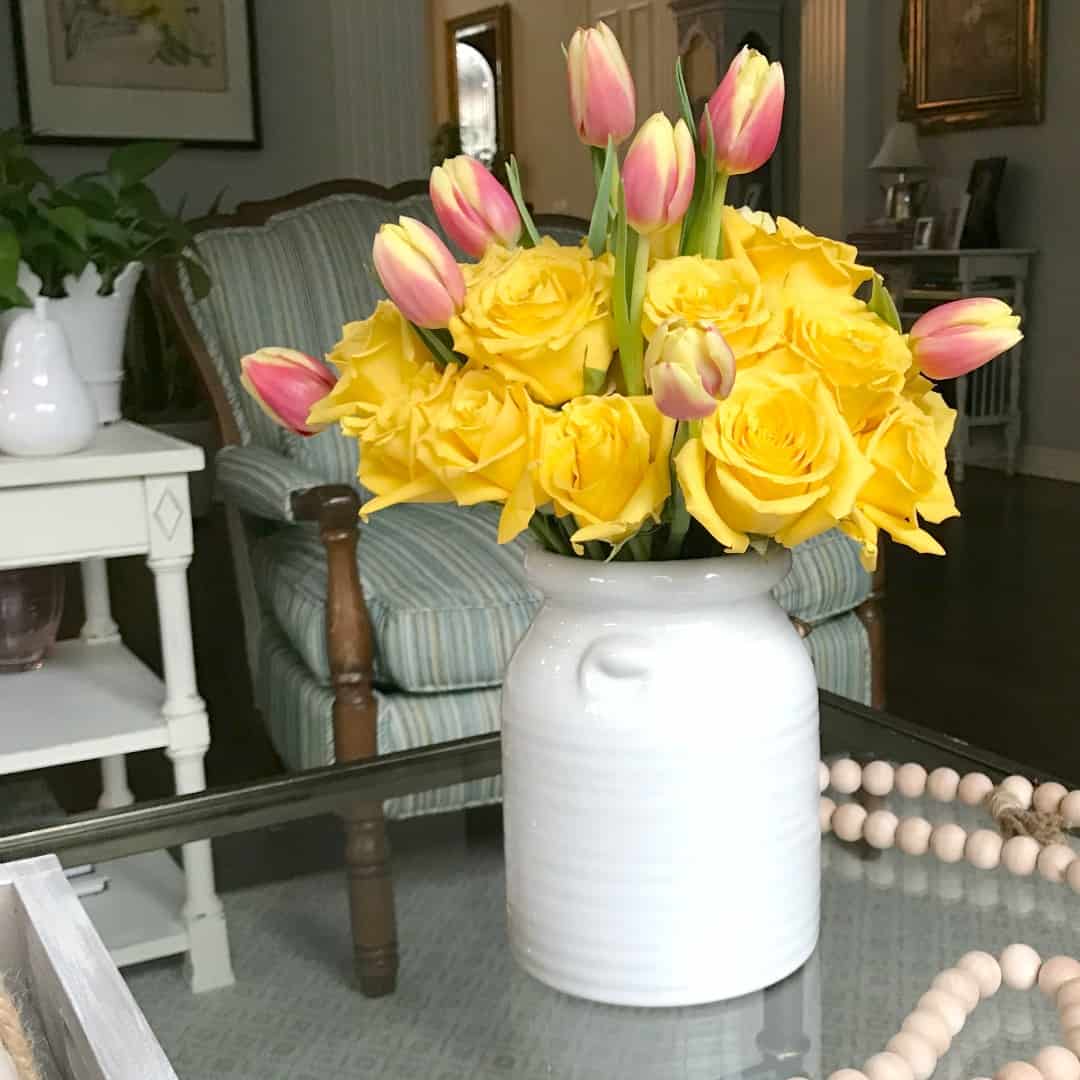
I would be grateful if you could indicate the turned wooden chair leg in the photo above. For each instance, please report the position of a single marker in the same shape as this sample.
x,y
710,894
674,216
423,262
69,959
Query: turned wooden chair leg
x,y
349,641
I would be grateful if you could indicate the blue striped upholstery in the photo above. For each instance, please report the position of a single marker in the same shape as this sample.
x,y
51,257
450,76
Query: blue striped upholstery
x,y
826,579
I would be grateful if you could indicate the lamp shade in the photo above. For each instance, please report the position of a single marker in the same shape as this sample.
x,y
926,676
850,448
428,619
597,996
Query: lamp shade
x,y
899,150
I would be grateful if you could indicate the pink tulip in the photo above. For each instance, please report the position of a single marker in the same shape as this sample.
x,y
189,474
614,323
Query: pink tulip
x,y
745,113
472,206
419,273
658,174
286,384
602,99
958,337
689,367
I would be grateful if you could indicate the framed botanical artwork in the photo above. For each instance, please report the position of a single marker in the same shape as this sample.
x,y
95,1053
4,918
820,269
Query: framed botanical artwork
x,y
117,70
972,63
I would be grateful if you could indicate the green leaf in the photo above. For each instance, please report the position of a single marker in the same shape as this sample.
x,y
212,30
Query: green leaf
x,y
513,174
129,164
215,206
684,98
882,304
9,259
595,380
72,222
109,232
438,350
198,278
27,172
142,201
13,297
95,198
678,515
598,225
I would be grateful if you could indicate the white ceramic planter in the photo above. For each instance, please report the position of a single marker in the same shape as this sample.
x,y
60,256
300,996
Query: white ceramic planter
x,y
660,750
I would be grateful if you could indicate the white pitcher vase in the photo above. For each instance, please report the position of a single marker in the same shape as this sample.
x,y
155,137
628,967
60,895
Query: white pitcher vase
x,y
660,750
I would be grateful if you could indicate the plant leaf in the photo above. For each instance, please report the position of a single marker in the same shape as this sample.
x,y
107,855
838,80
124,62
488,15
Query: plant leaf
x,y
198,278
514,176
883,305
684,98
9,259
595,380
129,164
72,222
110,233
598,225
438,350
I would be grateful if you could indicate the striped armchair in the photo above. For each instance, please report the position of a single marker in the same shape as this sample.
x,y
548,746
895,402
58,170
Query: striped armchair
x,y
418,656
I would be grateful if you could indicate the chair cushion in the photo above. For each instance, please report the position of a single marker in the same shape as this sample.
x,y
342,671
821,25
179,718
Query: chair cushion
x,y
447,603
826,579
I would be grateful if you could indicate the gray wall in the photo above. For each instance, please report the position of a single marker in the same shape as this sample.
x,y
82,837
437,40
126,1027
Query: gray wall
x,y
1039,208
385,68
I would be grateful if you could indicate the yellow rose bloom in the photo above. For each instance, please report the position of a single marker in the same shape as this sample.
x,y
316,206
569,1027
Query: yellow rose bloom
x,y
776,459
538,316
725,292
910,477
605,460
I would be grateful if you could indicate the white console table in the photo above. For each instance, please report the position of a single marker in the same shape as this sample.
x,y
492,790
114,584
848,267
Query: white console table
x,y
990,396
126,494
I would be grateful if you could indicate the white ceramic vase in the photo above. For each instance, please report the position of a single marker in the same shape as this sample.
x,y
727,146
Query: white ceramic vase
x,y
45,408
660,750
95,326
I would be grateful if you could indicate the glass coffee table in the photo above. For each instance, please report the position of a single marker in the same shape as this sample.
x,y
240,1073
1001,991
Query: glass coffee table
x,y
464,1011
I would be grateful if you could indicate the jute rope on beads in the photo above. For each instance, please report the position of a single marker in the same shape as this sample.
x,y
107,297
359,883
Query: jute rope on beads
x,y
13,1038
1013,820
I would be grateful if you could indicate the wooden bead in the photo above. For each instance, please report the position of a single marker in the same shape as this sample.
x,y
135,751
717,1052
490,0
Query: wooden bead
x,y
1055,973
931,1027
1047,799
947,842
1054,860
822,776
950,1009
961,984
1069,1017
1071,1039
1070,809
973,788
942,783
848,821
847,1074
826,809
1057,1063
880,830
1021,787
888,1066
1018,1070
913,835
983,849
910,780
1068,994
985,970
878,777
1019,855
1020,965
845,776
916,1051
1072,875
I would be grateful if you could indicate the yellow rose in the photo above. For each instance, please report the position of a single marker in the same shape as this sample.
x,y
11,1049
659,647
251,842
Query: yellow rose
x,y
910,478
790,255
605,460
776,459
725,292
538,316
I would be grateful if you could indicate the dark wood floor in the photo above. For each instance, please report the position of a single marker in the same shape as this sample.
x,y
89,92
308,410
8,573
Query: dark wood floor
x,y
984,644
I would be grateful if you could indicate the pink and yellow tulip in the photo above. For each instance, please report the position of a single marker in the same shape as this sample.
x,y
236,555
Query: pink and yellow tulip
x,y
286,384
958,337
419,273
472,206
603,103
689,367
745,113
658,174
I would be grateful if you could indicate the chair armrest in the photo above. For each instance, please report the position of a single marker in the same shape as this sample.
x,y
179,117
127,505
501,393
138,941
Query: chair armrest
x,y
261,482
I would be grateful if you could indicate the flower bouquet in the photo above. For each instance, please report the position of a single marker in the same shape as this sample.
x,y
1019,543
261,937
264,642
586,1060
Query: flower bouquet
x,y
667,407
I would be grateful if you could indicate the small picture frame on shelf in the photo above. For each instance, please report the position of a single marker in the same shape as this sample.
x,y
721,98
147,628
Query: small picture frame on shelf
x,y
923,238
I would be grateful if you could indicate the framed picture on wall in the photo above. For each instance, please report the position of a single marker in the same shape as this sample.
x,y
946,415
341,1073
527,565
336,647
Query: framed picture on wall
x,y
972,64
94,71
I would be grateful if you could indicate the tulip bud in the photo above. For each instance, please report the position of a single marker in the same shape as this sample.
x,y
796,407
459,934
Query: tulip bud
x,y
689,367
602,99
958,337
286,384
472,206
658,174
419,273
745,113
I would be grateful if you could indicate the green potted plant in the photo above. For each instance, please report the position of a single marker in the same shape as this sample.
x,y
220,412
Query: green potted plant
x,y
84,243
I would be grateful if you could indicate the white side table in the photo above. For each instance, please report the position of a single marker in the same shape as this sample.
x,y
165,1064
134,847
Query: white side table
x,y
126,494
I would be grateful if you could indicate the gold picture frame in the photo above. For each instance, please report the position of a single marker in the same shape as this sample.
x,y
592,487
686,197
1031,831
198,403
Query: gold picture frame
x,y
971,67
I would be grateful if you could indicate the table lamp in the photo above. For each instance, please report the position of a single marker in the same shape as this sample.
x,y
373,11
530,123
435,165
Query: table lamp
x,y
900,154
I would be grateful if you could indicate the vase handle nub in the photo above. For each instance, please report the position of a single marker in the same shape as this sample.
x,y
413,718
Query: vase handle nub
x,y
616,664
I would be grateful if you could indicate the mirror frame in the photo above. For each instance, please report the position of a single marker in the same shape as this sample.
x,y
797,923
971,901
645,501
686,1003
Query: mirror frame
x,y
499,15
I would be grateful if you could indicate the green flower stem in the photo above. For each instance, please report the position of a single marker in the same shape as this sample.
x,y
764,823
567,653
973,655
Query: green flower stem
x,y
632,358
442,353
712,247
695,429
679,515
638,546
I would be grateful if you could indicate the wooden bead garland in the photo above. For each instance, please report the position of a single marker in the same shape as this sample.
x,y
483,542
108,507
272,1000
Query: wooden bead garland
x,y
927,1033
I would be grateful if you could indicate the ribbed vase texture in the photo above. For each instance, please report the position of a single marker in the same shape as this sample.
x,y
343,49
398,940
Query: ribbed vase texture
x,y
660,749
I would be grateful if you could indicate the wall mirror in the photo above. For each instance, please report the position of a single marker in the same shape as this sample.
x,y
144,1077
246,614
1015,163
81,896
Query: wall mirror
x,y
480,82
